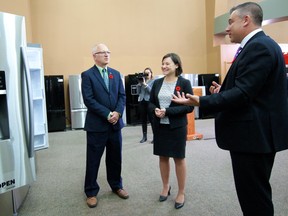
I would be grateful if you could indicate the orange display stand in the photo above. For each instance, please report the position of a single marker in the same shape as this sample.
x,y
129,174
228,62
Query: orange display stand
x,y
191,134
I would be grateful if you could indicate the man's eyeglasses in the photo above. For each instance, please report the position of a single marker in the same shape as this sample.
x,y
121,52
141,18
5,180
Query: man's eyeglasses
x,y
103,53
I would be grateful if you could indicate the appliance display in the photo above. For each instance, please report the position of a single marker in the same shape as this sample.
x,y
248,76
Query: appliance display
x,y
77,107
55,103
18,115
194,82
193,79
132,104
206,80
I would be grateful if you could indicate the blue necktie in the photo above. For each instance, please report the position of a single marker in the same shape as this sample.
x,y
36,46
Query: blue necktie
x,y
105,77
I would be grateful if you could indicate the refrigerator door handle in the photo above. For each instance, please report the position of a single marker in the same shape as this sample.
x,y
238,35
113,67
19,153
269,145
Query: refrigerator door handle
x,y
29,127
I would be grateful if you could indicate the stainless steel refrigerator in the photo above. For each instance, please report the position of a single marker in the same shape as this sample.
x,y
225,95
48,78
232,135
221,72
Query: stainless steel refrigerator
x,y
17,115
77,107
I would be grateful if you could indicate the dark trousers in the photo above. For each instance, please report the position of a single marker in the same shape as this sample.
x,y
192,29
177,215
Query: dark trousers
x,y
96,143
145,115
251,175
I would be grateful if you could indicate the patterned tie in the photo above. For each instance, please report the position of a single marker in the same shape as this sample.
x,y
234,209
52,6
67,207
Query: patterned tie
x,y
237,53
105,77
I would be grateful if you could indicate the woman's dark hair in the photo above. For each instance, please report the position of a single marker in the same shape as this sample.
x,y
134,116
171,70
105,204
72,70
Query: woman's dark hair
x,y
177,61
148,68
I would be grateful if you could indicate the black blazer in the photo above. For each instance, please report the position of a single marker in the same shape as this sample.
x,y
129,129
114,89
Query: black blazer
x,y
100,101
252,102
175,112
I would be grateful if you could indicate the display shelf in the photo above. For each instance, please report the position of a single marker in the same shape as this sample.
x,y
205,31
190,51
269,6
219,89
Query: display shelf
x,y
34,55
39,142
39,129
36,79
38,106
37,94
35,62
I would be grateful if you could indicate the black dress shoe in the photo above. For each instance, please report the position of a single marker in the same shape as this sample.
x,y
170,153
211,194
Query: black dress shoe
x,y
164,198
143,140
179,205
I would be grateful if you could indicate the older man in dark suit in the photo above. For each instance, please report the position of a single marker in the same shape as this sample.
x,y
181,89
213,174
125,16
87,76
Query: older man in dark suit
x,y
251,106
104,95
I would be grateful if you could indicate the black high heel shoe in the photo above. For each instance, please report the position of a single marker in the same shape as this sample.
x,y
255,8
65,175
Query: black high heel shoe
x,y
164,198
179,205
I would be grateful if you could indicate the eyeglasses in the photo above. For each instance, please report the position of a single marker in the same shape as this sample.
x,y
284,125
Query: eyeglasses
x,y
103,53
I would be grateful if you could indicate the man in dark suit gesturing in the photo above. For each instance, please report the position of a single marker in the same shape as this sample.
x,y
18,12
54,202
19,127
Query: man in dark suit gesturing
x,y
104,95
251,109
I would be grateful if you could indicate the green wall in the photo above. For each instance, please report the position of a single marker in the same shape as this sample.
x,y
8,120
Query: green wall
x,y
274,11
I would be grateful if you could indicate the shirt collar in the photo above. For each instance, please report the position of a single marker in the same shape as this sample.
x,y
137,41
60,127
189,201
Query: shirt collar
x,y
249,36
100,68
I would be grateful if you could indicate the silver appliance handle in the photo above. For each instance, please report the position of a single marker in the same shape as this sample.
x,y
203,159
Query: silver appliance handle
x,y
29,133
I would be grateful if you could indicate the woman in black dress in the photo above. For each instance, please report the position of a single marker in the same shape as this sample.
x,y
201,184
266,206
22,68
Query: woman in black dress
x,y
170,124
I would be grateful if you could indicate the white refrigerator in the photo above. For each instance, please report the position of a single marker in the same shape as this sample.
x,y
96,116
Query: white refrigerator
x,y
22,130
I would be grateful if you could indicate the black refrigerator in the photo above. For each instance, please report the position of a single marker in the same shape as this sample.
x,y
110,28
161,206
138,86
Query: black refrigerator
x,y
206,80
55,103
132,104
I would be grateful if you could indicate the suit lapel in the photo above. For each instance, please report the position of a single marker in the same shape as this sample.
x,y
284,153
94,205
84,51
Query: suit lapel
x,y
178,84
232,70
158,87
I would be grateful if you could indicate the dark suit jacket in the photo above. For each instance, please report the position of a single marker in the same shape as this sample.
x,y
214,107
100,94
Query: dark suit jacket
x,y
99,101
175,112
252,102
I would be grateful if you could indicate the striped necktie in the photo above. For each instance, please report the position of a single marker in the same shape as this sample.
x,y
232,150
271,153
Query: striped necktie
x,y
105,77
237,53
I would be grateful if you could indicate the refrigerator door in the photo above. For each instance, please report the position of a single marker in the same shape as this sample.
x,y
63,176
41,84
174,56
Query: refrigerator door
x,y
56,120
17,165
75,92
78,118
77,107
192,77
54,86
17,162
132,104
206,80
55,103
36,70
194,82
